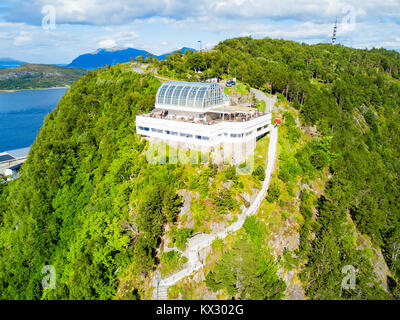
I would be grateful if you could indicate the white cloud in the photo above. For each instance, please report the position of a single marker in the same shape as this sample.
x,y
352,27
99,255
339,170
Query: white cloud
x,y
118,12
210,45
107,43
164,25
22,39
119,39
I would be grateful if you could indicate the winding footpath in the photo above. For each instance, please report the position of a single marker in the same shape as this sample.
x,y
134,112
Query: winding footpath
x,y
202,241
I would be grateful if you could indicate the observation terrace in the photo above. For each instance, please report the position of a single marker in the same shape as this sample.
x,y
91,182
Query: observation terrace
x,y
200,114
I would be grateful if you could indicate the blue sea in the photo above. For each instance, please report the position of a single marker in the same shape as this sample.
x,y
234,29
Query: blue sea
x,y
22,114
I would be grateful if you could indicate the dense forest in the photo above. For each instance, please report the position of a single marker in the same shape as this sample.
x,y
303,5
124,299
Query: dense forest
x,y
69,208
38,76
88,202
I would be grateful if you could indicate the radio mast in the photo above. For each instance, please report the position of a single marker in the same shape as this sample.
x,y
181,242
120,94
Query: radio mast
x,y
334,32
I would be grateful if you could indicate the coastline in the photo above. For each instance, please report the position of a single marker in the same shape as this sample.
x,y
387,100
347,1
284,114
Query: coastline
x,y
17,90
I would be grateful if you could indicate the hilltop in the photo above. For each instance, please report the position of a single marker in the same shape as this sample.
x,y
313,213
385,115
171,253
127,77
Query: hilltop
x,y
90,204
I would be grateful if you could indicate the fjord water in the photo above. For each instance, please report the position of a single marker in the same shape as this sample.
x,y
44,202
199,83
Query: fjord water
x,y
22,114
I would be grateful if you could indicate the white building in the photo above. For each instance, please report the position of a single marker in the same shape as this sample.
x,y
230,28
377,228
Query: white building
x,y
12,172
198,116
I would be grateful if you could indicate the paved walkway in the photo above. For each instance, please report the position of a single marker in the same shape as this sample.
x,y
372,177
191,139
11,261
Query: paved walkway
x,y
141,71
269,101
203,241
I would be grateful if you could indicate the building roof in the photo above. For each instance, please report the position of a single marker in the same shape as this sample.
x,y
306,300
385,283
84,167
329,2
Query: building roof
x,y
5,157
16,167
19,153
194,95
241,108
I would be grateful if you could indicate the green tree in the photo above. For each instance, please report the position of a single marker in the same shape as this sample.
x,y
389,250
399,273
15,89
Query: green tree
x,y
273,192
245,273
259,173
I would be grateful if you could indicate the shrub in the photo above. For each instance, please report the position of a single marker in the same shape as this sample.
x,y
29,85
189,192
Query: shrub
x,y
230,173
171,261
273,192
180,237
259,173
225,201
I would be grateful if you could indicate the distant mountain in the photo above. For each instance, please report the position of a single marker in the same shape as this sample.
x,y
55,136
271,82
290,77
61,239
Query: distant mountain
x,y
10,63
35,76
103,57
183,50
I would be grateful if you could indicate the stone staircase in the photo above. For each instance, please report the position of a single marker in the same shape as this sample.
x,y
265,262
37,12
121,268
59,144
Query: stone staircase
x,y
202,241
162,293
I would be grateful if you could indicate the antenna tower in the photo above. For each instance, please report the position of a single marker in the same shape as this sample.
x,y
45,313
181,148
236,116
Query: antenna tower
x,y
334,32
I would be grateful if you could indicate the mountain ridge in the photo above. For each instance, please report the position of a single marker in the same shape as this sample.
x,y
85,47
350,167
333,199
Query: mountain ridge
x,y
103,56
10,62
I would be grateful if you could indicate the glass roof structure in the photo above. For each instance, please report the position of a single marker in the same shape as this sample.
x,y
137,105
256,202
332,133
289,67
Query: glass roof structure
x,y
189,95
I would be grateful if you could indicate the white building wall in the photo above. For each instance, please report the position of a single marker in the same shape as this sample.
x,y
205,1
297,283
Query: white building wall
x,y
220,143
216,133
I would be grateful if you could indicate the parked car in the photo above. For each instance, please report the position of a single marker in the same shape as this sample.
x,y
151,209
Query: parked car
x,y
230,83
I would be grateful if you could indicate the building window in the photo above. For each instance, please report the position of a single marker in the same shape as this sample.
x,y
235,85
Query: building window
x,y
205,138
198,137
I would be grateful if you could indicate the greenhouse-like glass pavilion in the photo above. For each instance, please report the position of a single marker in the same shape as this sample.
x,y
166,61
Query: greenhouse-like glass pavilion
x,y
189,95
198,114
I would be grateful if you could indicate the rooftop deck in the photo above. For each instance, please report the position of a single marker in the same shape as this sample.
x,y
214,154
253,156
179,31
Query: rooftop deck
x,y
223,115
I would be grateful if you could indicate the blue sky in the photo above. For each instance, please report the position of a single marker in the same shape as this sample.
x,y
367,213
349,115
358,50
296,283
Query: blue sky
x,y
161,26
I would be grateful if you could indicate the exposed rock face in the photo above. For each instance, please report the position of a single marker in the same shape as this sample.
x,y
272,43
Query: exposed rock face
x,y
246,196
23,73
187,197
294,289
227,184
19,74
288,238
377,260
217,227
53,74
